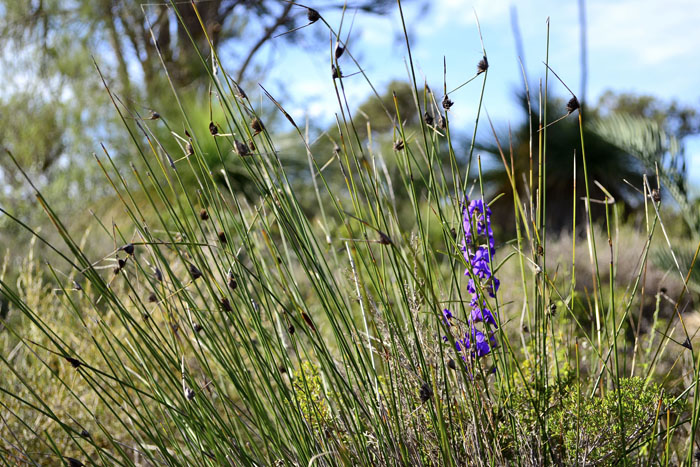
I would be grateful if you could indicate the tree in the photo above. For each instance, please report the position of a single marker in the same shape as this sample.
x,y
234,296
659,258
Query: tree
x,y
606,163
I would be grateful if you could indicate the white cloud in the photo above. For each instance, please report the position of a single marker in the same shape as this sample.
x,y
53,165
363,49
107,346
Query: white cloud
x,y
648,31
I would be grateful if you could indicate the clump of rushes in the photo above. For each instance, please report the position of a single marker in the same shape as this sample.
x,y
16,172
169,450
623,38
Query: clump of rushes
x,y
478,248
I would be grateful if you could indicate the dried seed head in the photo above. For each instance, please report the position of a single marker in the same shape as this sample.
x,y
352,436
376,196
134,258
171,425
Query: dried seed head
x,y
76,286
194,272
442,122
552,309
447,103
482,66
152,298
241,148
189,150
398,145
282,369
225,304
428,119
656,195
335,72
572,105
197,327
222,237
339,50
84,433
189,394
73,462
158,274
203,214
426,392
128,248
291,329
540,250
313,15
336,149
257,126
251,145
213,129
154,116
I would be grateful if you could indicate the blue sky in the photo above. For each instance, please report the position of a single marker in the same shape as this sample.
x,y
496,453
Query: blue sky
x,y
642,46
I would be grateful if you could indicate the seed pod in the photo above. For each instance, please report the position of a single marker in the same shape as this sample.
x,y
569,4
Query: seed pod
x,y
225,304
154,115
425,393
339,50
572,105
482,66
291,329
313,15
257,126
335,72
241,148
203,214
76,286
128,248
159,275
194,272
84,433
428,119
398,145
152,298
447,103
189,394
222,237
656,195
213,129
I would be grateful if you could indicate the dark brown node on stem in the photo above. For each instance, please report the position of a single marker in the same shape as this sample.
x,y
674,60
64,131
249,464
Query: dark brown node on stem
x,y
241,148
572,105
313,15
425,393
482,66
257,126
194,272
447,103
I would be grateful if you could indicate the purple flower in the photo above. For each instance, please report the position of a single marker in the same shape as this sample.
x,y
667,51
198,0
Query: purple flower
x,y
482,314
447,317
481,344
